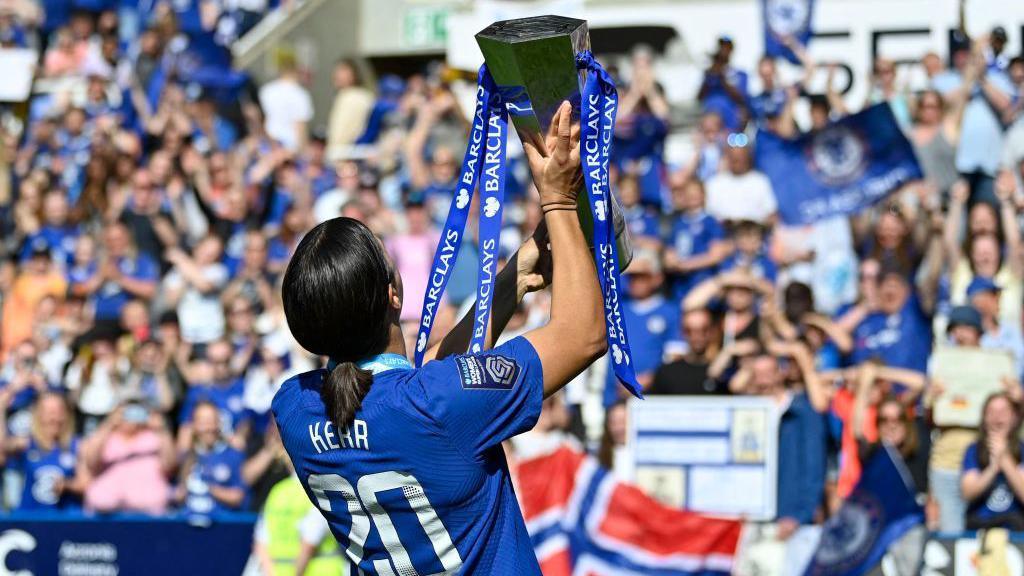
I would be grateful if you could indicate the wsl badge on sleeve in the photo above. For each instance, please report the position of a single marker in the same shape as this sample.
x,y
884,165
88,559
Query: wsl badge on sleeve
x,y
487,372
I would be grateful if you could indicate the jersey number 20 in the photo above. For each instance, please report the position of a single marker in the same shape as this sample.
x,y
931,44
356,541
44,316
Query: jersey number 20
x,y
364,500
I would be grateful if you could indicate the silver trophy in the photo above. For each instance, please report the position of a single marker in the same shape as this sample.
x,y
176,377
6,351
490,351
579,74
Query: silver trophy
x,y
533,62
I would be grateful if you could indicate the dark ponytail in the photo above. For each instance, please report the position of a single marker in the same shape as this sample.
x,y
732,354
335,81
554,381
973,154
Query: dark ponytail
x,y
343,392
335,296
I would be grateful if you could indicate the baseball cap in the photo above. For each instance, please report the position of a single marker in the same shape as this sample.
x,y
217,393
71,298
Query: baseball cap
x,y
999,32
982,284
964,316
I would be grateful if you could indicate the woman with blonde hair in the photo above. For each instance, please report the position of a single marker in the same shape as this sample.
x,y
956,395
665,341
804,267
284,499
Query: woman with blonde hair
x,y
48,459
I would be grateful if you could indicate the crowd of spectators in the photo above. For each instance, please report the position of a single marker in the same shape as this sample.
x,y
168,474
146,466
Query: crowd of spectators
x,y
150,198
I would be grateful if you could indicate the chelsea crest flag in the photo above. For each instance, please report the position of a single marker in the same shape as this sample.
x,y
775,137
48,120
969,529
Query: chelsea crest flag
x,y
881,509
841,169
786,18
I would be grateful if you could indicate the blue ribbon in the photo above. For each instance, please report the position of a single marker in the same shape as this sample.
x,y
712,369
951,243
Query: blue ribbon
x,y
597,122
458,213
492,197
484,162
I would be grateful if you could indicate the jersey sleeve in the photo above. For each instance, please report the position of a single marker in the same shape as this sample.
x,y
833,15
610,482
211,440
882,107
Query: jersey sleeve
x,y
971,459
483,399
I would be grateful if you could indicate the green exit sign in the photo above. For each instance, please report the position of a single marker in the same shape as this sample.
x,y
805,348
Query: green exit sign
x,y
425,27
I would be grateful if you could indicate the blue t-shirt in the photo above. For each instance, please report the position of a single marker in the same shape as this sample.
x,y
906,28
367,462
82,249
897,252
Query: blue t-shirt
x,y
222,467
640,140
768,104
717,99
418,483
692,235
61,241
42,469
111,298
642,222
760,265
902,339
651,324
227,397
998,500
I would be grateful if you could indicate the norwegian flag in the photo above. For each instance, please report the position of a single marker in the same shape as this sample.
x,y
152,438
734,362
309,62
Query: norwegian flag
x,y
584,522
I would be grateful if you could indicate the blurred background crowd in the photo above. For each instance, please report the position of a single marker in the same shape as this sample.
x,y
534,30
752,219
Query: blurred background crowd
x,y
151,196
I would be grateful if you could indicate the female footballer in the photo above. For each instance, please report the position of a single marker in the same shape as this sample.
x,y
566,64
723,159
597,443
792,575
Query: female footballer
x,y
406,464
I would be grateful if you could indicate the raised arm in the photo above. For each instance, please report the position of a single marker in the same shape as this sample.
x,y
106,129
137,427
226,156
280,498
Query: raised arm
x,y
520,275
912,380
841,338
958,196
835,99
575,336
703,293
416,142
867,373
1006,190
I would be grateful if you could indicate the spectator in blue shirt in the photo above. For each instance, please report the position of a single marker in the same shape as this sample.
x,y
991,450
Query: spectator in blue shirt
x,y
643,220
652,323
981,136
212,380
771,101
47,458
57,232
640,130
22,380
724,89
801,465
709,141
895,329
995,55
992,481
984,295
123,274
696,242
749,239
211,475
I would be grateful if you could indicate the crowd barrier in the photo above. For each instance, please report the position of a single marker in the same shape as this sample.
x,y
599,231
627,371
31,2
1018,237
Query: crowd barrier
x,y
40,544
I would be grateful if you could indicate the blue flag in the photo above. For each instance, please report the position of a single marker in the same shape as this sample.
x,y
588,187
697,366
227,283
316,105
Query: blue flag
x,y
881,509
784,18
841,169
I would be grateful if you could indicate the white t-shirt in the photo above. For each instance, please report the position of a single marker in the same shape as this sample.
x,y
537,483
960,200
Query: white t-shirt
x,y
748,196
285,103
201,316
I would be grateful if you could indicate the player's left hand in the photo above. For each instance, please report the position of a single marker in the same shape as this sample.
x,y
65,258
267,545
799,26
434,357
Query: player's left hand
x,y
533,263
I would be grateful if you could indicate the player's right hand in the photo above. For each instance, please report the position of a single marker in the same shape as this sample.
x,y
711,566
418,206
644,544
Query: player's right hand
x,y
555,159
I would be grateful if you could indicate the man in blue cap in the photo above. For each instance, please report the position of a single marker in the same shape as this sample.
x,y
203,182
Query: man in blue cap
x,y
983,294
964,328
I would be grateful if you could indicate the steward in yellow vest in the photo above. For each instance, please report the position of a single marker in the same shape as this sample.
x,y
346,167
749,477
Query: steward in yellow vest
x,y
288,528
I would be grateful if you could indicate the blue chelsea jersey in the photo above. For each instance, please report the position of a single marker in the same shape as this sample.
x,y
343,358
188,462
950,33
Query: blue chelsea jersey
x,y
43,469
418,483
